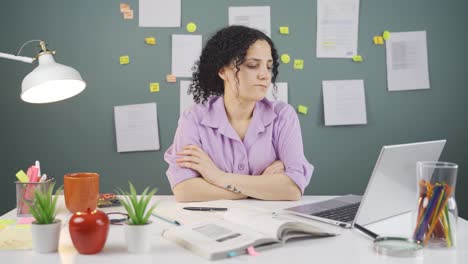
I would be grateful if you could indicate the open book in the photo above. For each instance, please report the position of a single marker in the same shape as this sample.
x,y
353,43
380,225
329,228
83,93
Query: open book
x,y
221,235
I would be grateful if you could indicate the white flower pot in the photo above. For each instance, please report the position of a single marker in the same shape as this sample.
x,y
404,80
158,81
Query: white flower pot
x,y
45,238
138,238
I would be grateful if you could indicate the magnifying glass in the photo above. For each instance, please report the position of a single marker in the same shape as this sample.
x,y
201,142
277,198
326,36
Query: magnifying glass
x,y
394,246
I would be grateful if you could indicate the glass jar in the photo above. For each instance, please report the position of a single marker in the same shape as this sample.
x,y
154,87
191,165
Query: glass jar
x,y
436,214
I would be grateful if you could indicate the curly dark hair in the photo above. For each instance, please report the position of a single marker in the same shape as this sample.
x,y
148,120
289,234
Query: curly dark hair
x,y
228,45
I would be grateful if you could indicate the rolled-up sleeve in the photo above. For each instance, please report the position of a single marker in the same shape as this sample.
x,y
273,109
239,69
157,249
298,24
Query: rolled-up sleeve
x,y
290,148
186,134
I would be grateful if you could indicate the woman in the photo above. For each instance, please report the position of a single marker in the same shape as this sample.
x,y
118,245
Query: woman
x,y
234,143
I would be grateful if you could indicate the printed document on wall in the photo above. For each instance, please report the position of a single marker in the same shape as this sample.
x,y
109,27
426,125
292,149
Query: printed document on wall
x,y
337,28
186,100
344,102
251,16
407,67
186,50
136,127
281,93
159,13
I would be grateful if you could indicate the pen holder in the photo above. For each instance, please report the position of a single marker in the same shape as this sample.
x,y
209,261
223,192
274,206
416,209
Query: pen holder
x,y
25,194
436,215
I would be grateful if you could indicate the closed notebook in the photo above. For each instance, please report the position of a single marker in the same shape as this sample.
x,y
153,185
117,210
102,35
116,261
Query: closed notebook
x,y
225,235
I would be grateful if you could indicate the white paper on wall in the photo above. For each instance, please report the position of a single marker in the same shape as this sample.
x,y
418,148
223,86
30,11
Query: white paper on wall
x,y
136,127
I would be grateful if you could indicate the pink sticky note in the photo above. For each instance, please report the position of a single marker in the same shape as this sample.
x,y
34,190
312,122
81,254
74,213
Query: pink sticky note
x,y
25,220
252,252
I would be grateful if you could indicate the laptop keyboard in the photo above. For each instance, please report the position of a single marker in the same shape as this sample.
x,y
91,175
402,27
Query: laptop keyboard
x,y
344,214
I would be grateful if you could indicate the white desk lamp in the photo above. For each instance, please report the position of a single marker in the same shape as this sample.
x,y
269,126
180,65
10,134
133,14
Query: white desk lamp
x,y
49,81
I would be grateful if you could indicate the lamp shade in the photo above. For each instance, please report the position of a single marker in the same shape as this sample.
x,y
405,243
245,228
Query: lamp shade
x,y
51,82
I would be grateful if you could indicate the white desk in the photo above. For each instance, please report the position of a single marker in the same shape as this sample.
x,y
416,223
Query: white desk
x,y
350,246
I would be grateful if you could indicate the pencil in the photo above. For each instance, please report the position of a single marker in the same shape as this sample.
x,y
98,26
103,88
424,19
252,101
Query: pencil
x,y
437,212
174,222
446,227
429,212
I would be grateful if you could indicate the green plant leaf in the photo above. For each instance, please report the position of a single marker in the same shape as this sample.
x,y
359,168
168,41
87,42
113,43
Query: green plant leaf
x,y
126,203
148,214
137,207
43,208
140,208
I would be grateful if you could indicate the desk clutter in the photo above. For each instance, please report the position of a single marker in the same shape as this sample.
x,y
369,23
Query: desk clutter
x,y
213,230
232,231
87,226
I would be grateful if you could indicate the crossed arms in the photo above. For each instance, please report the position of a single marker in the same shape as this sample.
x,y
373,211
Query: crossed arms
x,y
214,184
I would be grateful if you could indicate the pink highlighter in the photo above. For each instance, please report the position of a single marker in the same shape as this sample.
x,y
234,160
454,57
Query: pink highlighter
x,y
34,177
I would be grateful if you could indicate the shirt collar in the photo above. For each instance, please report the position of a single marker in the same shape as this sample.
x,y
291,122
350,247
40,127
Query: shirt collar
x,y
216,117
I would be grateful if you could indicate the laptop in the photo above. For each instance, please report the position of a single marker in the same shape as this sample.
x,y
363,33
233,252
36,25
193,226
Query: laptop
x,y
391,189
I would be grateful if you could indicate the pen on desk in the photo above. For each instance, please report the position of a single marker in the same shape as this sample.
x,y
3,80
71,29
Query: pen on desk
x,y
206,208
174,222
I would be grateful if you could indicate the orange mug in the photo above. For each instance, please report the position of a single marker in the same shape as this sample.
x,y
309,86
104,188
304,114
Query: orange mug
x,y
81,190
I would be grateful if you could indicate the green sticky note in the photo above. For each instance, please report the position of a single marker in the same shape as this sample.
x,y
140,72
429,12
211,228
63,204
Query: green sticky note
x,y
7,222
386,34
357,58
285,58
22,177
124,59
302,109
298,64
154,87
191,27
284,30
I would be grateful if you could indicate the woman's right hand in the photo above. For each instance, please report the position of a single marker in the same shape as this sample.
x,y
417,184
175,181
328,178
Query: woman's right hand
x,y
277,167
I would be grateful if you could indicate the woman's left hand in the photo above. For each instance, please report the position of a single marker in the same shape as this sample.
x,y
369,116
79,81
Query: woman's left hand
x,y
193,157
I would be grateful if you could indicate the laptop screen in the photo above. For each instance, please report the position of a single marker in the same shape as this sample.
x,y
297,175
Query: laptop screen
x,y
392,188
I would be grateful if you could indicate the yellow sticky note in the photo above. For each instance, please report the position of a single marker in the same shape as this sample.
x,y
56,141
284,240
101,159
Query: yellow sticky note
x,y
154,87
285,58
171,78
284,30
386,34
378,40
302,109
357,58
14,237
298,64
124,59
22,177
7,222
150,41
191,27
128,14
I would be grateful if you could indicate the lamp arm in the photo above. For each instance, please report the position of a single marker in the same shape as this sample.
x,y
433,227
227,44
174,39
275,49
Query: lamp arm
x,y
18,58
22,58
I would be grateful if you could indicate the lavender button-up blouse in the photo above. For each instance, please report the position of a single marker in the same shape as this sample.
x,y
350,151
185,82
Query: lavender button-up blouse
x,y
274,133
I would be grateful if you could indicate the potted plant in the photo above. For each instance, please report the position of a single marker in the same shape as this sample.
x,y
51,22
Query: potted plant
x,y
138,227
46,228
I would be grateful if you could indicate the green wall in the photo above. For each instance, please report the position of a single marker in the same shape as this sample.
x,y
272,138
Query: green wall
x,y
78,134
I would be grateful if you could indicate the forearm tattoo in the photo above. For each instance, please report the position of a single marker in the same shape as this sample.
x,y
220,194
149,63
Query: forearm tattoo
x,y
233,189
